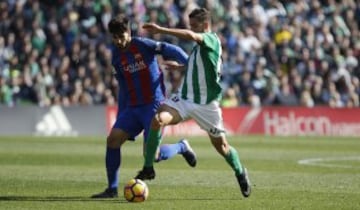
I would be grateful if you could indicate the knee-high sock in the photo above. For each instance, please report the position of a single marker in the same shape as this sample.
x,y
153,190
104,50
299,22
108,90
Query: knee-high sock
x,y
152,143
232,158
170,150
112,161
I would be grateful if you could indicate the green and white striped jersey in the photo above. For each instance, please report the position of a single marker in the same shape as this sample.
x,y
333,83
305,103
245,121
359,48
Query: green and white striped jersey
x,y
201,83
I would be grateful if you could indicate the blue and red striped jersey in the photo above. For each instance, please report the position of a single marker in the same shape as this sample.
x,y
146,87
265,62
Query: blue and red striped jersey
x,y
138,73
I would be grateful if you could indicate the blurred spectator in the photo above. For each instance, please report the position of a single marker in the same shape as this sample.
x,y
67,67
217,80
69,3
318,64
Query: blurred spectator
x,y
285,97
279,52
254,101
229,99
306,99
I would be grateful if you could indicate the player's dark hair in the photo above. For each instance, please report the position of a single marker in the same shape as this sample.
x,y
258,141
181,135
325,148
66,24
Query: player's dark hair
x,y
118,24
200,14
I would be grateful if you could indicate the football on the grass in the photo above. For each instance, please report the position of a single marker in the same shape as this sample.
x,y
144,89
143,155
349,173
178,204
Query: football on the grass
x,y
136,190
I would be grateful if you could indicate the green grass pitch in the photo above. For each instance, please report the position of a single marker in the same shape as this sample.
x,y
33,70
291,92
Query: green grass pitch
x,y
61,173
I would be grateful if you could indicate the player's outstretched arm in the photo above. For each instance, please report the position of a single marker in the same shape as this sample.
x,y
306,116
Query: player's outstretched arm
x,y
166,50
180,33
173,52
173,65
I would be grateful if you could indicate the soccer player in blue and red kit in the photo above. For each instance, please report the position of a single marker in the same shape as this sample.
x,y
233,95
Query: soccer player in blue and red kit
x,y
141,91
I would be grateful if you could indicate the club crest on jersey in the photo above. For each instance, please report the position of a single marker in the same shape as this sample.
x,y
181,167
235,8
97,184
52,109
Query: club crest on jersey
x,y
137,56
138,65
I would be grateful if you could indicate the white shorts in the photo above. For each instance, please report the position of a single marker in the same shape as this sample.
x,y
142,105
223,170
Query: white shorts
x,y
207,116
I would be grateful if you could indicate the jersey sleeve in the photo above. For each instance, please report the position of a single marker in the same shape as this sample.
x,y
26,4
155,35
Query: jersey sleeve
x,y
173,52
209,40
166,50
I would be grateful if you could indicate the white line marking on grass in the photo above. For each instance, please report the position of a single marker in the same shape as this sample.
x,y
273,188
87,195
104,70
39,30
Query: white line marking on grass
x,y
324,162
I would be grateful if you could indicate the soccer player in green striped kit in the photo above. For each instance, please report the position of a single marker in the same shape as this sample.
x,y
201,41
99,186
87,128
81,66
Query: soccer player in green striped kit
x,y
198,98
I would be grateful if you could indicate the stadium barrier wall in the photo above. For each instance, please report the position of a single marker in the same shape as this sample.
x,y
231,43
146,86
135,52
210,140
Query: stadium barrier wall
x,y
97,120
52,121
277,121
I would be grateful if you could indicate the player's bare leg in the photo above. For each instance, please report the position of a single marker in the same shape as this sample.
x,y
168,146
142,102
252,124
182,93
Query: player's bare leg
x,y
166,115
232,158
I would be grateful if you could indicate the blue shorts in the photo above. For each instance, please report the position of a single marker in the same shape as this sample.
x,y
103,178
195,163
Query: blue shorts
x,y
136,119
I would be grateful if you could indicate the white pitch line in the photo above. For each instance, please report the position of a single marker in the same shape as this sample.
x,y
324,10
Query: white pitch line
x,y
323,162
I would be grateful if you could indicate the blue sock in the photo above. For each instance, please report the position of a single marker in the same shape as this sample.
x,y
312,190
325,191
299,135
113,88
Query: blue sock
x,y
169,150
113,160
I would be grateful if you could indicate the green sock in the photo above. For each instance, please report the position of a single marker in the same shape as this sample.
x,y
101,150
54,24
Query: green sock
x,y
232,158
152,144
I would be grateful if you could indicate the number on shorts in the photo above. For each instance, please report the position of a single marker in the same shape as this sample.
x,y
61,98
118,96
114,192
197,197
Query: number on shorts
x,y
175,99
214,131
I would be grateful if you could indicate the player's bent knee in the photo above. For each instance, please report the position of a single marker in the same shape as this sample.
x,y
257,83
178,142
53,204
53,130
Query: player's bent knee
x,y
165,118
156,122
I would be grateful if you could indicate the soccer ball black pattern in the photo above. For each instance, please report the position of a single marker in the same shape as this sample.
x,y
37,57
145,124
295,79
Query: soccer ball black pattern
x,y
136,190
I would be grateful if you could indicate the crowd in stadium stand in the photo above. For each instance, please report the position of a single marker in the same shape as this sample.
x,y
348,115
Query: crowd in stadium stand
x,y
275,52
